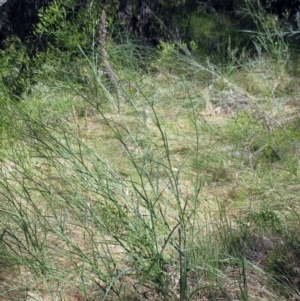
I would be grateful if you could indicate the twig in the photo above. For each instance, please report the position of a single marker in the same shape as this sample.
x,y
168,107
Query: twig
x,y
105,57
182,291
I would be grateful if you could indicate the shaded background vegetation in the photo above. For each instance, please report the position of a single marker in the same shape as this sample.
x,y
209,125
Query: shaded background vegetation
x,y
148,20
30,28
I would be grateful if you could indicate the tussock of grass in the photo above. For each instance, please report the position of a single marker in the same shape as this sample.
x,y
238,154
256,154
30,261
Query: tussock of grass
x,y
180,189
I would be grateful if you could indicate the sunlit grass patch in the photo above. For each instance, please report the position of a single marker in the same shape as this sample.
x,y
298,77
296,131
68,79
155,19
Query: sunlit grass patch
x,y
169,190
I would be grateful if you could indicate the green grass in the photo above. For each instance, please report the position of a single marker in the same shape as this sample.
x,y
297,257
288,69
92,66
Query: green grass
x,y
168,187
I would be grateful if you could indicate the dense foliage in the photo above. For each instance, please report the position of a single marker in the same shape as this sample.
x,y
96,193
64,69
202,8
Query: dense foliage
x,y
33,31
144,18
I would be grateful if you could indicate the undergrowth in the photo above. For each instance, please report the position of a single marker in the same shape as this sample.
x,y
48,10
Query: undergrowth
x,y
178,182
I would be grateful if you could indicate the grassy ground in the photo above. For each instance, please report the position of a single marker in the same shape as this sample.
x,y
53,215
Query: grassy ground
x,y
181,183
